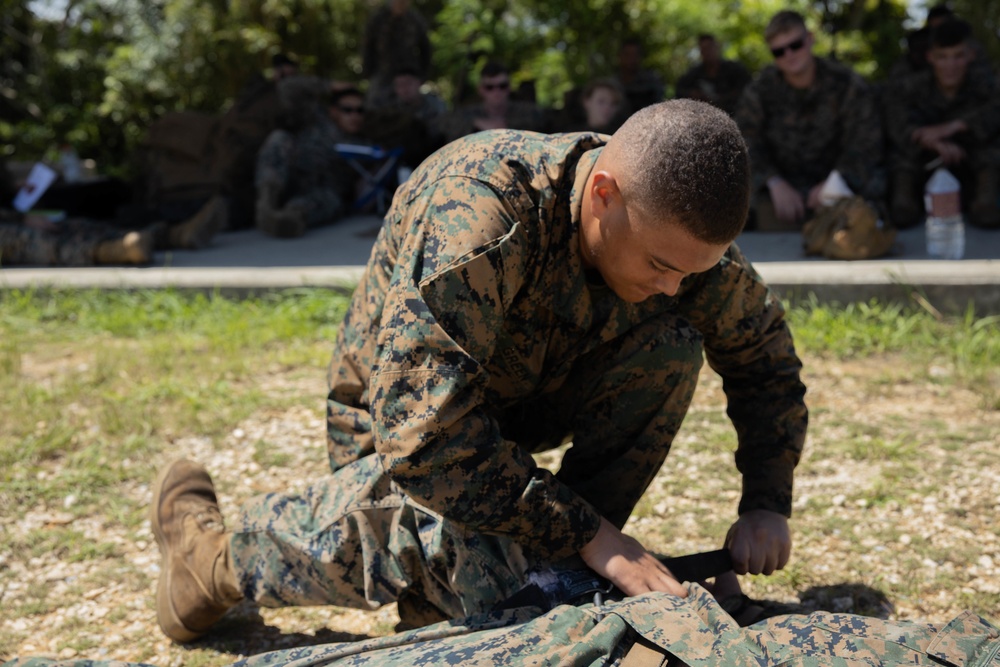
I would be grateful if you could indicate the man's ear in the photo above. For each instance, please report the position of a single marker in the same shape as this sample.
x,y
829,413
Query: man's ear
x,y
604,194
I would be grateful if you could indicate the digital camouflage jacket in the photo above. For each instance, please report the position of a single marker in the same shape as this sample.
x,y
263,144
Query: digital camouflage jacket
x,y
915,101
476,299
804,134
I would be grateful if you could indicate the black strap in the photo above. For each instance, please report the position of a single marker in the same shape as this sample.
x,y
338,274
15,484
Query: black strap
x,y
574,585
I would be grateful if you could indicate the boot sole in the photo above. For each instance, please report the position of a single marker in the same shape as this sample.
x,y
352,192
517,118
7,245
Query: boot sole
x,y
166,615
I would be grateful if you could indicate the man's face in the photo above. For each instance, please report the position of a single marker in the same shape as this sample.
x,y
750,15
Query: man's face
x,y
285,71
950,63
407,88
709,49
494,90
630,58
792,51
348,113
642,258
601,107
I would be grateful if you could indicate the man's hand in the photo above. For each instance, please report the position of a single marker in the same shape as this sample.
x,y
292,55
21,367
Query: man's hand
x,y
951,153
759,542
788,204
928,135
812,201
626,563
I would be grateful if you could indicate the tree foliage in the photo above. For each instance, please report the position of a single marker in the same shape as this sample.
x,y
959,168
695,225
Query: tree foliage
x,y
96,73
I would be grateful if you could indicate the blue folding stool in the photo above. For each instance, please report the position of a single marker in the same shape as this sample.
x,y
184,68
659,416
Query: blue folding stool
x,y
377,167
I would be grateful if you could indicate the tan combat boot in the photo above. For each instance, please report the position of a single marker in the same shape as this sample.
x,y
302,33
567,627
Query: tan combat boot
x,y
197,231
133,248
197,582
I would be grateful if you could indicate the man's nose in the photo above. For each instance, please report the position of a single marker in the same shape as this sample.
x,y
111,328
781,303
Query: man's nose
x,y
669,284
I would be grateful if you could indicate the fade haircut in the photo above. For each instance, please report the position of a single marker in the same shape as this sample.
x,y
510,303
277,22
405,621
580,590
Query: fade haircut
x,y
939,11
782,22
492,69
687,162
950,32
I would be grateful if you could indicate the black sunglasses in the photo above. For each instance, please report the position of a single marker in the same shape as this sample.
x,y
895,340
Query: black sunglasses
x,y
351,109
503,85
791,46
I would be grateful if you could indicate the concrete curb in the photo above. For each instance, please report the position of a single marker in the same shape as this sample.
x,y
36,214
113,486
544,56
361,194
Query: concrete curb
x,y
228,279
949,287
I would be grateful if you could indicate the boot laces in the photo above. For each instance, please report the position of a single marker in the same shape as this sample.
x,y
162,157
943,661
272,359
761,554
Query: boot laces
x,y
210,519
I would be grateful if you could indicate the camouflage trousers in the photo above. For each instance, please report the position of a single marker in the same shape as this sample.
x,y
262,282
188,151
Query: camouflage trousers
x,y
658,627
300,176
74,243
355,539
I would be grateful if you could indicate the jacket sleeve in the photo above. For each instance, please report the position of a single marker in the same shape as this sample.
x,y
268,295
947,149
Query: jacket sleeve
x,y
749,344
983,114
436,436
899,115
752,121
861,146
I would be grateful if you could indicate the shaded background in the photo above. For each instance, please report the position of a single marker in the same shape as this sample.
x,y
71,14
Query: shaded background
x,y
95,73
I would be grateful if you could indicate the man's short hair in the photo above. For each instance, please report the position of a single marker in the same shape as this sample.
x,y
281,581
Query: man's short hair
x,y
281,59
493,68
685,161
633,41
939,11
340,93
951,32
407,70
706,37
782,22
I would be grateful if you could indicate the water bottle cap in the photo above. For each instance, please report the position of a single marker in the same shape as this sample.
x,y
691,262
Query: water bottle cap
x,y
942,181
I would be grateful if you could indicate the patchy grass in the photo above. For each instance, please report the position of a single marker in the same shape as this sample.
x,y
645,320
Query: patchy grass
x,y
896,496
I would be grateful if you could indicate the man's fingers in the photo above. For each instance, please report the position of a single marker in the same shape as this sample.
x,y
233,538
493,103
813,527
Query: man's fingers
x,y
672,586
739,551
784,555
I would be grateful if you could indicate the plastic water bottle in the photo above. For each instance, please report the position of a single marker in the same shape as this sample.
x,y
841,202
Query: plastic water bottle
x,y
69,164
945,227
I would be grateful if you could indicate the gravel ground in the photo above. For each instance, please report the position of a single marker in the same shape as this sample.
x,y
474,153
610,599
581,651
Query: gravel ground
x,y
897,499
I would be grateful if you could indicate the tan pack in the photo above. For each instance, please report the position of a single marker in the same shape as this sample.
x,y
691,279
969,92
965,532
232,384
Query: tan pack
x,y
848,229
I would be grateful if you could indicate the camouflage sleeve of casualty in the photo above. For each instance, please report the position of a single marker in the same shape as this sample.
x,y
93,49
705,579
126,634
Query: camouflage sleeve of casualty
x,y
749,344
457,271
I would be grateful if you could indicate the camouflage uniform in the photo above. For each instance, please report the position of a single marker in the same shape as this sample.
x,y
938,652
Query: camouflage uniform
x,y
241,132
723,90
643,89
74,243
803,135
915,101
520,116
691,631
305,168
475,337
392,43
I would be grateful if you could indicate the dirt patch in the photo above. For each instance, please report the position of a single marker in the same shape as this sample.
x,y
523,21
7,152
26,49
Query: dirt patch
x,y
895,515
